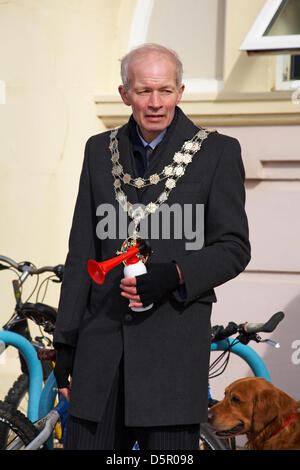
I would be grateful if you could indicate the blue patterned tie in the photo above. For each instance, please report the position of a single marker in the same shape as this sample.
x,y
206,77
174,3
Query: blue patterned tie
x,y
148,150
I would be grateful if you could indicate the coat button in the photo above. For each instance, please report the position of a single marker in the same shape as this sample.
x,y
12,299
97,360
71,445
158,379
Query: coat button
x,y
128,317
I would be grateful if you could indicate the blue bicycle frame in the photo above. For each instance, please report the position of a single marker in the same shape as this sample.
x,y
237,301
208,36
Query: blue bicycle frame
x,y
254,361
41,399
34,367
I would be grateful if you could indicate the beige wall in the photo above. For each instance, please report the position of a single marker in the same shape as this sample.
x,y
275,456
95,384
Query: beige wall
x,y
59,60
55,56
203,42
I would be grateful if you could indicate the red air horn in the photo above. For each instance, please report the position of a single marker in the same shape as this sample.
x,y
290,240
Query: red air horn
x,y
98,271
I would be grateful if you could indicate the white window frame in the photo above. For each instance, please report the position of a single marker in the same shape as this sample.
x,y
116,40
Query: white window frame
x,y
255,39
283,63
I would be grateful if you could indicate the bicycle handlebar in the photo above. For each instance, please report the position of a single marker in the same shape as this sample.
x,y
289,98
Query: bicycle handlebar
x,y
267,327
27,268
247,331
9,261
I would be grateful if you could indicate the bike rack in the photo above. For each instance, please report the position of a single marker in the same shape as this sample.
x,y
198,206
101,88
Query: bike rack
x,y
34,367
254,361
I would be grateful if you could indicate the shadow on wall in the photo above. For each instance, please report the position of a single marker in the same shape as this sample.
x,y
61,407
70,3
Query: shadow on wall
x,y
284,363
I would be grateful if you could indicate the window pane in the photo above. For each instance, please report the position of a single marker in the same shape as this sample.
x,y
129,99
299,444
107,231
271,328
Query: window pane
x,y
295,67
286,21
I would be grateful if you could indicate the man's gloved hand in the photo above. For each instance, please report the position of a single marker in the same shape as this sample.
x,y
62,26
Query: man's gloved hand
x,y
160,280
63,364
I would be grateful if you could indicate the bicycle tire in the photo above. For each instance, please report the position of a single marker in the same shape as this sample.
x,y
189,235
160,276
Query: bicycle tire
x,y
17,391
209,441
13,398
20,387
18,423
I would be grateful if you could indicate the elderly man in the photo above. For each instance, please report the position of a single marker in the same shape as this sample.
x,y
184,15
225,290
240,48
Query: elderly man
x,y
142,375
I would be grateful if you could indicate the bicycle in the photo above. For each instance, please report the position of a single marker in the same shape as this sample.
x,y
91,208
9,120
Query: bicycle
x,y
27,428
222,340
43,315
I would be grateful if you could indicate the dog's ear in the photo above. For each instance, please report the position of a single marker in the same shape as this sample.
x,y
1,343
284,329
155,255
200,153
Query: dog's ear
x,y
271,406
265,409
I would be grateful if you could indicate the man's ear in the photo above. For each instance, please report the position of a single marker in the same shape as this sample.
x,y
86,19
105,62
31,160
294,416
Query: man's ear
x,y
124,95
181,90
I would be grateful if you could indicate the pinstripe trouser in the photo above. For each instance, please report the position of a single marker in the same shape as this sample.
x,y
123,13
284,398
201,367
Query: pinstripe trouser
x,y
112,434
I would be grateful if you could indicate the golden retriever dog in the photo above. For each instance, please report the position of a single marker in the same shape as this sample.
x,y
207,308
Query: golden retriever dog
x,y
253,406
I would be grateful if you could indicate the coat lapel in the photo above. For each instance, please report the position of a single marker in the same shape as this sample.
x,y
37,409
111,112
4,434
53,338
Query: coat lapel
x,y
128,163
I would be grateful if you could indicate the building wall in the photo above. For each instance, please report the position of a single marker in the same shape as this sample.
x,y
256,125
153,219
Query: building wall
x,y
55,56
271,281
60,64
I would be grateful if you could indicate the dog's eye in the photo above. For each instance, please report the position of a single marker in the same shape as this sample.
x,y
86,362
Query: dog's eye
x,y
235,399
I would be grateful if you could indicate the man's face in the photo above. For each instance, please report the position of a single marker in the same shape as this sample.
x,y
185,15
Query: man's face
x,y
153,93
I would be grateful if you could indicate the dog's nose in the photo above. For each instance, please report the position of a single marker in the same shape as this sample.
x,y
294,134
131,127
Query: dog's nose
x,y
211,416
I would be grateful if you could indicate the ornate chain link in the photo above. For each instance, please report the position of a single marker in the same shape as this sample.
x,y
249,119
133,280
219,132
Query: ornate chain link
x,y
171,173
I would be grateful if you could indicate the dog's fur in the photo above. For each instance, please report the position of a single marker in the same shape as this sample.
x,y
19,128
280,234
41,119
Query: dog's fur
x,y
253,406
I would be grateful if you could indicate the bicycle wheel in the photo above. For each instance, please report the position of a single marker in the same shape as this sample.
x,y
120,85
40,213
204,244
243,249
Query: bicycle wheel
x,y
18,424
209,441
14,397
17,396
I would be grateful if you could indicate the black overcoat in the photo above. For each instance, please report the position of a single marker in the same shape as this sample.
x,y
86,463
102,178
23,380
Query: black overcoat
x,y
166,349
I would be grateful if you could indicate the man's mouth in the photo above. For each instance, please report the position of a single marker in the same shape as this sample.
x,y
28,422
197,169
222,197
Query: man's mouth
x,y
154,117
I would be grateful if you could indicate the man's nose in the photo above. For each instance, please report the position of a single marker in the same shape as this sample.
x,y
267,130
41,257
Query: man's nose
x,y
155,100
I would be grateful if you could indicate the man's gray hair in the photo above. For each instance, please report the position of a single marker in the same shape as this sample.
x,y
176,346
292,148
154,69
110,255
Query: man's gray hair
x,y
143,49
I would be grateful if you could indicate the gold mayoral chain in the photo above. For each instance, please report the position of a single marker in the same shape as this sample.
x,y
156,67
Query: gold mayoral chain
x,y
171,173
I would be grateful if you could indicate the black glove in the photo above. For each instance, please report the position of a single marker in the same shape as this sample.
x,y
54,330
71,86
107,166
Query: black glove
x,y
161,279
63,364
